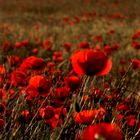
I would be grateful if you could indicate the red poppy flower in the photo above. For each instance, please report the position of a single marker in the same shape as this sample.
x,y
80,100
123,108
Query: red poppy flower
x,y
115,47
62,93
25,115
65,19
18,78
117,16
76,19
56,119
73,82
67,46
32,63
2,69
57,56
47,44
6,46
3,94
38,85
50,67
130,120
98,38
104,131
47,112
91,62
32,91
135,64
13,60
84,45
136,34
107,50
135,45
35,51
87,116
25,42
122,107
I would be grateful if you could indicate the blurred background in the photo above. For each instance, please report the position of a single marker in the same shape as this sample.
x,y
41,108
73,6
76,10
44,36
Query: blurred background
x,y
24,11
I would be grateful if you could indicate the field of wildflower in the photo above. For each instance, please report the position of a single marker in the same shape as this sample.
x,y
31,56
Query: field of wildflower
x,y
69,70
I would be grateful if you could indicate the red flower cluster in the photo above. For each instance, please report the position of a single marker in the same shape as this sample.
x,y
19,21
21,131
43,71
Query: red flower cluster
x,y
21,43
135,44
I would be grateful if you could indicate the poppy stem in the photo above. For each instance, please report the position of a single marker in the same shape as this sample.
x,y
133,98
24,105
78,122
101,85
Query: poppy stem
x,y
85,83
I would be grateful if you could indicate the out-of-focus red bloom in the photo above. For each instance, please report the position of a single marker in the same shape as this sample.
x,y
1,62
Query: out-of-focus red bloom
x,y
122,71
57,56
73,82
120,119
105,85
136,34
96,92
122,107
32,91
88,116
29,100
56,120
25,115
98,38
3,94
76,19
130,120
85,98
84,45
97,47
32,63
123,61
104,131
47,44
91,62
110,32
117,15
50,67
6,46
2,124
135,45
62,93
1,79
67,46
21,43
13,60
107,50
65,19
2,69
25,42
18,78
35,51
47,112
37,26
135,64
39,85
115,47
12,93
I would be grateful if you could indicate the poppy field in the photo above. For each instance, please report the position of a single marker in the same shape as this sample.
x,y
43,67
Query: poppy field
x,y
69,70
